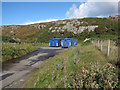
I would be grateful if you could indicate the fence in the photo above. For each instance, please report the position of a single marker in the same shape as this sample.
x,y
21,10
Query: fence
x,y
108,48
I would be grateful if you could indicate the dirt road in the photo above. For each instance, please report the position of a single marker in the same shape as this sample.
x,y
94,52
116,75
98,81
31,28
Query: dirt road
x,y
15,74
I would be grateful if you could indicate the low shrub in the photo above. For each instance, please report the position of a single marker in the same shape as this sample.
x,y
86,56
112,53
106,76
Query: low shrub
x,y
96,77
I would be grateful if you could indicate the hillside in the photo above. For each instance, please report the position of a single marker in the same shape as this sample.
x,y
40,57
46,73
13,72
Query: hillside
x,y
76,28
87,65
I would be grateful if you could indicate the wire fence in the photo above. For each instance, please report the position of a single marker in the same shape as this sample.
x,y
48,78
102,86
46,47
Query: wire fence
x,y
108,48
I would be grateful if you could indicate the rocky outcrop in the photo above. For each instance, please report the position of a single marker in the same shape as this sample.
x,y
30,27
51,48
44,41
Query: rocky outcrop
x,y
72,25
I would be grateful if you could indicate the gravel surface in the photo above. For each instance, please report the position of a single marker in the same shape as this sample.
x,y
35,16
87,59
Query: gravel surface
x,y
15,74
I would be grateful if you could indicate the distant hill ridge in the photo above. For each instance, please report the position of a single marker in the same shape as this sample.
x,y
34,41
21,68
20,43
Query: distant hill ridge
x,y
77,28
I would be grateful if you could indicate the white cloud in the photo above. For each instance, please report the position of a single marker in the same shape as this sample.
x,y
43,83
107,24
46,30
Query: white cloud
x,y
91,8
103,0
41,21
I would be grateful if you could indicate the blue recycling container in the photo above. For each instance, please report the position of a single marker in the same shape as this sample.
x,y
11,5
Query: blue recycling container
x,y
66,42
76,40
55,42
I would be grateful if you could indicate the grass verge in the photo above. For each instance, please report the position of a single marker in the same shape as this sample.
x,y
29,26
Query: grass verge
x,y
13,50
40,44
77,67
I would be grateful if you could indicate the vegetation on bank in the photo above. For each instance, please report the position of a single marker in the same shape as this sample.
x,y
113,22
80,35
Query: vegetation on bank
x,y
43,36
29,33
8,39
40,44
107,29
13,50
83,66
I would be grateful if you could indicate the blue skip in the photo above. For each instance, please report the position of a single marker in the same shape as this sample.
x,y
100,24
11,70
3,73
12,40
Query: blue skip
x,y
63,42
55,42
69,42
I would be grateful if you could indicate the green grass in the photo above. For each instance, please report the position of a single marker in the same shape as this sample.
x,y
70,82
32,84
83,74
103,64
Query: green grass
x,y
78,67
43,36
40,44
8,39
13,50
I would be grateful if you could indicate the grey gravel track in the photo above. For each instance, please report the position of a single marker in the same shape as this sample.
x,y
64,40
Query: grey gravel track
x,y
15,74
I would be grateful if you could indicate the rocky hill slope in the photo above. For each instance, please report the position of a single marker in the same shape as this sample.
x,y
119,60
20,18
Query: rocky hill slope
x,y
73,28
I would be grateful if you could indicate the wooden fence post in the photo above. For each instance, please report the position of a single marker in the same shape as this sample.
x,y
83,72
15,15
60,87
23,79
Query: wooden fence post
x,y
108,48
101,45
98,43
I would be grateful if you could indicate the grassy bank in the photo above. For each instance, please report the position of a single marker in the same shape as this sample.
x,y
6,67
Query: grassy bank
x,y
113,53
78,67
13,50
40,44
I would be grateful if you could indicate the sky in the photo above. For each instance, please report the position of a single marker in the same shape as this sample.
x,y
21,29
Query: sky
x,y
35,12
